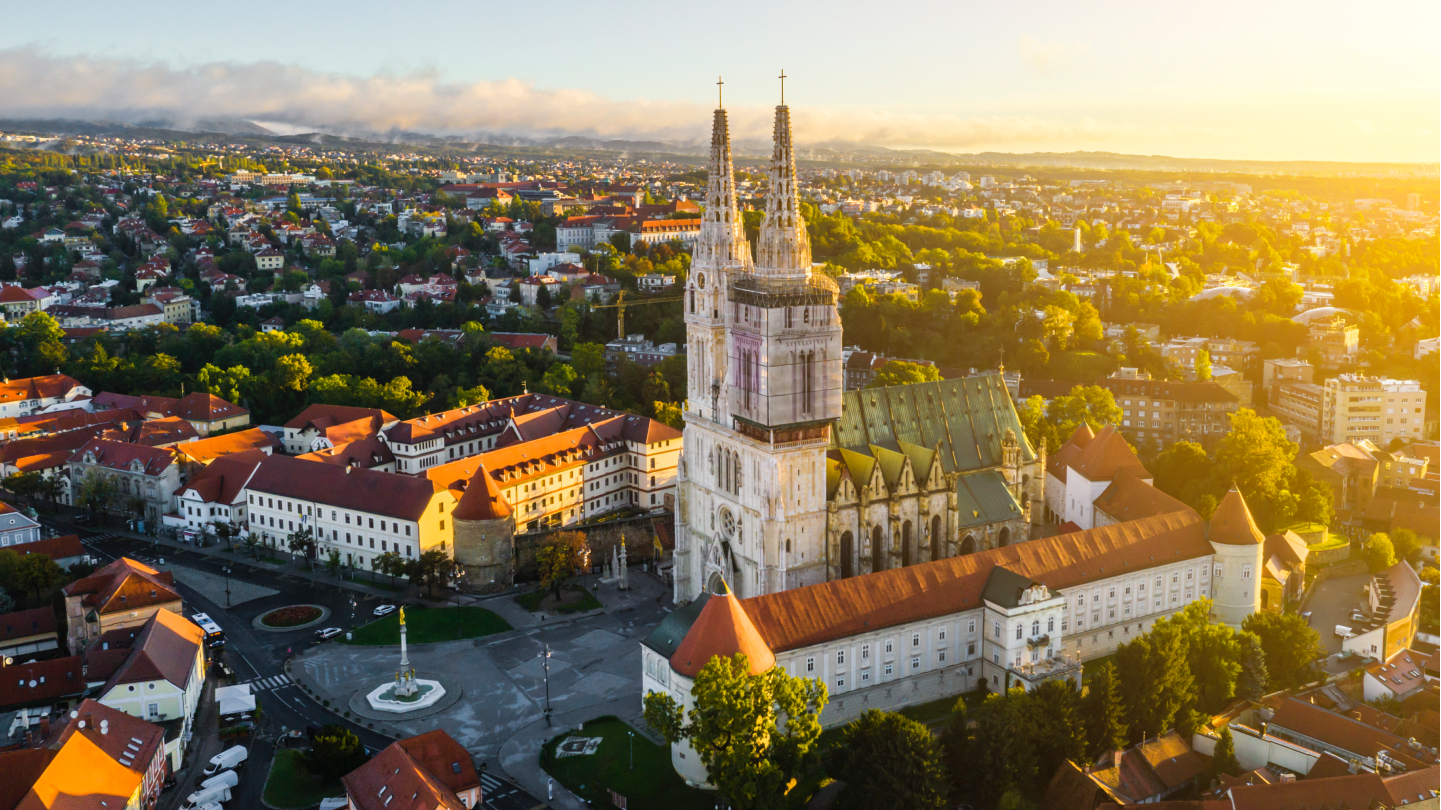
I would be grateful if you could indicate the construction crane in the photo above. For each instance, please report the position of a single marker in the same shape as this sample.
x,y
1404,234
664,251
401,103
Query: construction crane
x,y
620,305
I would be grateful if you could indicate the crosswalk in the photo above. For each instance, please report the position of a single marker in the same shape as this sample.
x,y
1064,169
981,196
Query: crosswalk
x,y
268,683
492,788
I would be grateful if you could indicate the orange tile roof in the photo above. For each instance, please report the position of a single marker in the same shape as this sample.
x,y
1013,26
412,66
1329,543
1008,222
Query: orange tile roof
x,y
1129,498
482,499
1106,456
393,780
443,758
56,548
1232,524
814,614
166,649
208,449
124,585
49,386
323,416
721,629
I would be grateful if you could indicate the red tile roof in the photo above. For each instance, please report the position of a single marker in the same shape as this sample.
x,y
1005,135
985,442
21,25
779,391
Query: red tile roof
x,y
1232,524
50,386
397,496
166,649
125,456
1128,498
443,758
482,499
393,780
324,416
40,682
1105,456
23,623
209,449
124,585
816,613
722,629
56,548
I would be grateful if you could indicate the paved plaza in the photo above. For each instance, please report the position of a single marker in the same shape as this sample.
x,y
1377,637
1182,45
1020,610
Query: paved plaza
x,y
594,670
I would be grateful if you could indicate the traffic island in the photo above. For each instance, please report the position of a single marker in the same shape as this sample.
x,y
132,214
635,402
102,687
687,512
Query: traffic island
x,y
290,618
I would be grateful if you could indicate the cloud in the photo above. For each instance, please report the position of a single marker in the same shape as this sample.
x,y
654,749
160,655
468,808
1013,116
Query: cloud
x,y
289,98
1043,56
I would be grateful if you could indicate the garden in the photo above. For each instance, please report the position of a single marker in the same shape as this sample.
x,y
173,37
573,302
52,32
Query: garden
x,y
647,781
292,616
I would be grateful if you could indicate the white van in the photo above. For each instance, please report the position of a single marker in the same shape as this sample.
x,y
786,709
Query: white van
x,y
229,779
207,796
227,759
1343,631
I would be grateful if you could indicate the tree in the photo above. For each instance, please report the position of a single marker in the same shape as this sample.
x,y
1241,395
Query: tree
x,y
735,726
1223,759
1290,645
1378,552
887,761
1056,725
1257,457
332,561
669,413
251,542
301,542
1203,366
390,563
25,485
429,569
7,604
1251,683
36,573
1156,682
226,531
559,558
956,749
558,380
334,752
899,372
1091,404
97,491
1003,755
587,359
1405,543
1101,713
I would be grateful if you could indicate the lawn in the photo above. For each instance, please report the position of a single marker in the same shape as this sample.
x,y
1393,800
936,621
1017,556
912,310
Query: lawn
x,y
291,786
431,624
1080,365
531,601
938,711
653,785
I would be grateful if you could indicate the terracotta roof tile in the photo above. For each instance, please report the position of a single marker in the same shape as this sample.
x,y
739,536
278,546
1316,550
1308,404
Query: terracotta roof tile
x,y
816,613
1128,498
723,628
1105,456
24,623
56,548
397,496
1232,524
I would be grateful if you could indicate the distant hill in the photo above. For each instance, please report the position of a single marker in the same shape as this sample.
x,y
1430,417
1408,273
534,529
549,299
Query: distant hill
x,y
748,152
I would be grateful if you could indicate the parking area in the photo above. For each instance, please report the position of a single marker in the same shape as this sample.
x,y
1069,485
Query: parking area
x,y
1332,603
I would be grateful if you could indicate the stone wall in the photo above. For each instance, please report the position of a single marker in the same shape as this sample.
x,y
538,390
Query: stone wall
x,y
601,538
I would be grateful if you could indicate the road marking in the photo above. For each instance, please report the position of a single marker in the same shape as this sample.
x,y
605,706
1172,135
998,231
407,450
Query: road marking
x,y
269,682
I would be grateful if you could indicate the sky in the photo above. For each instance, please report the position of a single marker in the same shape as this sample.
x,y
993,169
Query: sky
x,y
1252,80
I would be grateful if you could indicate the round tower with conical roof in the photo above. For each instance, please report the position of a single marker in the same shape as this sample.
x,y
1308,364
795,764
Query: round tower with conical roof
x,y
484,535
1236,566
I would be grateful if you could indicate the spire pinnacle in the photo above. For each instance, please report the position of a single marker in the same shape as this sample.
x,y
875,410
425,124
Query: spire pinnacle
x,y
783,87
784,248
722,242
719,97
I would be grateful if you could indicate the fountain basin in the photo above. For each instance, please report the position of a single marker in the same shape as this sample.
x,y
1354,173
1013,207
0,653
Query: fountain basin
x,y
384,699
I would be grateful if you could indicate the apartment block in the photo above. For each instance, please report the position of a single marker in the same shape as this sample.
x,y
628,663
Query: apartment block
x,y
1356,406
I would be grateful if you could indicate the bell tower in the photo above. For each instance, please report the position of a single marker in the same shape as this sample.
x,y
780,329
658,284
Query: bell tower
x,y
753,510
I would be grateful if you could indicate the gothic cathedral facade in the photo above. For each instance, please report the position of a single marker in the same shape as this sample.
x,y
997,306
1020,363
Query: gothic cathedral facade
x,y
779,488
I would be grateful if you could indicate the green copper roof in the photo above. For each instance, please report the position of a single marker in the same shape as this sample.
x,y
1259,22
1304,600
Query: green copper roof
x,y
672,629
891,462
921,458
983,498
966,417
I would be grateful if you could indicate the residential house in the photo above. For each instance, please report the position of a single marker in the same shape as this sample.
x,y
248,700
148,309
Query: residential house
x,y
162,677
36,394
322,426
122,594
216,493
102,759
1407,672
433,770
27,634
142,479
16,527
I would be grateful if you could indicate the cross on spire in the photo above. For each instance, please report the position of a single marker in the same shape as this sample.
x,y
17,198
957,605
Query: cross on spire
x,y
720,99
783,87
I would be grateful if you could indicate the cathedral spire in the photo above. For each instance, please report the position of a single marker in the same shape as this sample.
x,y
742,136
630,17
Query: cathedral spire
x,y
722,242
784,248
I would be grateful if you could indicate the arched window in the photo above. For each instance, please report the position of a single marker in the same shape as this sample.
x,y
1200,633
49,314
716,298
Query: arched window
x,y
847,552
1035,629
936,546
905,544
1005,537
968,545
878,559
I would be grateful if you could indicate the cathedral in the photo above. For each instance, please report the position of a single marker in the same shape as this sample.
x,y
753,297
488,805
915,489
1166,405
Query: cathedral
x,y
787,480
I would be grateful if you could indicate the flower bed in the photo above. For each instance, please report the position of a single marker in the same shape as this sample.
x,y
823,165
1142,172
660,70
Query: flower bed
x,y
292,616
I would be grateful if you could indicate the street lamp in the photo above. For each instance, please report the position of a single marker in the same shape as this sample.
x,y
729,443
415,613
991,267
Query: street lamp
x,y
226,569
545,664
631,735
455,576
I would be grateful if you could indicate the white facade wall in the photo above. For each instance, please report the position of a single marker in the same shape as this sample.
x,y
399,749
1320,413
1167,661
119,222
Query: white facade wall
x,y
1081,494
358,536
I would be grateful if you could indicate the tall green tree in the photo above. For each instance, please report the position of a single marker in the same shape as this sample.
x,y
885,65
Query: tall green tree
x,y
1156,682
1090,404
1378,552
1057,725
1223,759
753,733
1102,713
956,749
1003,754
334,752
1251,681
888,762
1290,646
1202,367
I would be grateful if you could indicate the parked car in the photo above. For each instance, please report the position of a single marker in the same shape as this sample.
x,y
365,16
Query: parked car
x,y
328,633
228,759
384,610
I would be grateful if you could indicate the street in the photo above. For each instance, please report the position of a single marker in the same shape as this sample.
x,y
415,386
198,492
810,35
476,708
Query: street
x,y
258,657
